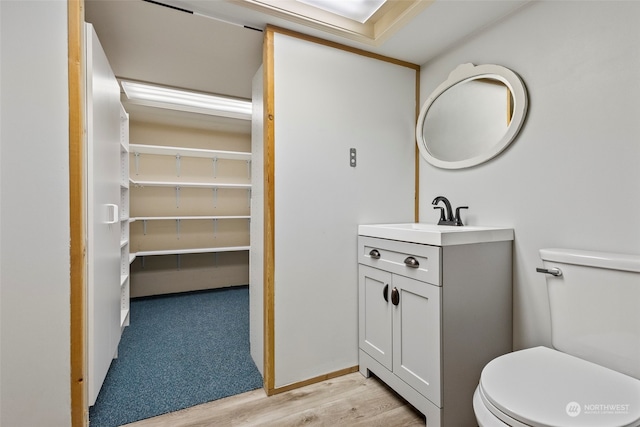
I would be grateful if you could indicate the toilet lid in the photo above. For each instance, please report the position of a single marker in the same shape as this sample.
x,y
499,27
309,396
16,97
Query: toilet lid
x,y
542,387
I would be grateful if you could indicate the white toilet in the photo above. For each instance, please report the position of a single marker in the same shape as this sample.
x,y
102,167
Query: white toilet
x,y
592,376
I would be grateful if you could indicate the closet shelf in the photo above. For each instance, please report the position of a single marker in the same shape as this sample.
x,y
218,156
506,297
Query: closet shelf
x,y
188,184
188,152
193,251
161,218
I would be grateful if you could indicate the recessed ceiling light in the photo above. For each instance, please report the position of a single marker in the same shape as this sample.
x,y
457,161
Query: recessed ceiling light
x,y
357,10
181,100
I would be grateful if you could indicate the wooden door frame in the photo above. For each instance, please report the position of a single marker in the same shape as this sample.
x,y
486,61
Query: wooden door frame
x,y
75,23
79,412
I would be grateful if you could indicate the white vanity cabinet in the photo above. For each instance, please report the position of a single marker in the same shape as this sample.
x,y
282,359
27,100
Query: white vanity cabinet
x,y
399,317
431,316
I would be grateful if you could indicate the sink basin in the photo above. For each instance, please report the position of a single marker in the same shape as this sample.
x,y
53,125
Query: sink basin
x,y
439,235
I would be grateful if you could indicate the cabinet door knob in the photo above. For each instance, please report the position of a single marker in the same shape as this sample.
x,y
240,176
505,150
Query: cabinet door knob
x,y
411,262
395,296
385,292
374,253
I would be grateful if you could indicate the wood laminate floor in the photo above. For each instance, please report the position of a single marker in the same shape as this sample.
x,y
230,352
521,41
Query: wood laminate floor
x,y
349,400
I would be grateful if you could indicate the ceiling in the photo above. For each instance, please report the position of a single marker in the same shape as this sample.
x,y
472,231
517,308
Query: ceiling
x,y
212,51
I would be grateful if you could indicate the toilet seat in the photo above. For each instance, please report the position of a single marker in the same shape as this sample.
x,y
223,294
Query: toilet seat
x,y
541,387
491,417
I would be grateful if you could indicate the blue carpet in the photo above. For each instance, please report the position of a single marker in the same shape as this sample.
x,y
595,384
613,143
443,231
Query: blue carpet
x,y
179,351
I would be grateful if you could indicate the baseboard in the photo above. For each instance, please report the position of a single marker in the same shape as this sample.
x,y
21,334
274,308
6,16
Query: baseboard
x,y
310,381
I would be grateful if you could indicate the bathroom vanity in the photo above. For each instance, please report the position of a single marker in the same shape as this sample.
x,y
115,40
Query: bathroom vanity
x,y
435,305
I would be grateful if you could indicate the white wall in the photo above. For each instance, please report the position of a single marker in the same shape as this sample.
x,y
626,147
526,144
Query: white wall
x,y
327,101
572,177
34,249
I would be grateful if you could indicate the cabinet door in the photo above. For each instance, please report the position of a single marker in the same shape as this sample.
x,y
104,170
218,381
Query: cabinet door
x,y
375,322
416,336
103,225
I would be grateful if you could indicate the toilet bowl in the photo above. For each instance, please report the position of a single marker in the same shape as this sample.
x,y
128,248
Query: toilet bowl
x,y
591,378
542,387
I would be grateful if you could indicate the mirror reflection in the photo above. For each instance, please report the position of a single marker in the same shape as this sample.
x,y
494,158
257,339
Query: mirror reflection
x,y
468,119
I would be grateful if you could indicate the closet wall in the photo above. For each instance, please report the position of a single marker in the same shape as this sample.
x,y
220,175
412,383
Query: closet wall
x,y
320,103
190,208
34,214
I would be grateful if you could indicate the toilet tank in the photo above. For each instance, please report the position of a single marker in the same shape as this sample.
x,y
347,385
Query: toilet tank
x,y
595,306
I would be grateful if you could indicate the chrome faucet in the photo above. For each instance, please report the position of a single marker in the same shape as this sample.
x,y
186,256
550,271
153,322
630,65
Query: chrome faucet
x,y
446,213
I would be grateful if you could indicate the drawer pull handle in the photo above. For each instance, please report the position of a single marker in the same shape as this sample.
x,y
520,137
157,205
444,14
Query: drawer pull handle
x,y
411,262
395,296
385,292
375,254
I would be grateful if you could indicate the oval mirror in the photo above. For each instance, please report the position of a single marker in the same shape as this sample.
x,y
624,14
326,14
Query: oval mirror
x,y
472,116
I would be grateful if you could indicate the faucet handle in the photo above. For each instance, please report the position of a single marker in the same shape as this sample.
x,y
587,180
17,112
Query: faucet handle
x,y
458,220
442,217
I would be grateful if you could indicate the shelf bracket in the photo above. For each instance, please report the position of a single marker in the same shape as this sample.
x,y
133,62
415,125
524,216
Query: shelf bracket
x,y
178,164
215,197
177,197
249,197
144,227
142,261
215,167
249,169
178,228
178,261
136,158
215,227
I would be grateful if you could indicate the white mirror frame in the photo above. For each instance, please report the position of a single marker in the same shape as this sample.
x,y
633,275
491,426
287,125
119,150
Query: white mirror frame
x,y
463,73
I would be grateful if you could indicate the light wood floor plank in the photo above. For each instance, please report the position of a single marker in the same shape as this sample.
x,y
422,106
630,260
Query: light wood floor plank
x,y
350,400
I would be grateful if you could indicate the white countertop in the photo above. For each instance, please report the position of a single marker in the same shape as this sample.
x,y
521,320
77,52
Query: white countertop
x,y
438,235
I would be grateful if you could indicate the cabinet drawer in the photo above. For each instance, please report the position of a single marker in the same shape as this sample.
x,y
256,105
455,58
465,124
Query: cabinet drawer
x,y
395,256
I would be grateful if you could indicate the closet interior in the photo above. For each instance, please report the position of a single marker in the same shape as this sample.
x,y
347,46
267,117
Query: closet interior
x,y
190,195
177,214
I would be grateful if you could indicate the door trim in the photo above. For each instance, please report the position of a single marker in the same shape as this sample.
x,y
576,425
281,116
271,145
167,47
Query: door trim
x,y
75,21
